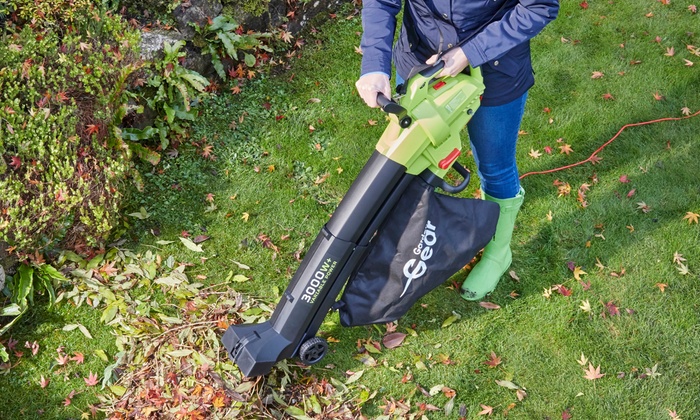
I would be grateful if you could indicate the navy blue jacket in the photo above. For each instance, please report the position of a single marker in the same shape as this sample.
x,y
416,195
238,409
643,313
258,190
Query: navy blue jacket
x,y
501,48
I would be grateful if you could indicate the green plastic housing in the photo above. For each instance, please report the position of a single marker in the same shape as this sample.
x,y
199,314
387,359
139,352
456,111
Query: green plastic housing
x,y
439,109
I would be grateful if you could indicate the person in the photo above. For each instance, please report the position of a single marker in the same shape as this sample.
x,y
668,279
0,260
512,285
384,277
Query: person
x,y
493,35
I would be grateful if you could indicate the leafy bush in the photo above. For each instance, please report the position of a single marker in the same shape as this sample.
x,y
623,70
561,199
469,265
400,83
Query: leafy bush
x,y
63,72
223,38
168,92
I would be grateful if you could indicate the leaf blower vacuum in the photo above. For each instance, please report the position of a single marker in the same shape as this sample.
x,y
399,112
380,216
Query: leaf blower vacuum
x,y
392,238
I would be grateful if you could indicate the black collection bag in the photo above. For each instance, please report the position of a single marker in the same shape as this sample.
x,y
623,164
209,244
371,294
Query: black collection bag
x,y
426,239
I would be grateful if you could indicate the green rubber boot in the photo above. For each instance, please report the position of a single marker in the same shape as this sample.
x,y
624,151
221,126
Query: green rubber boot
x,y
497,255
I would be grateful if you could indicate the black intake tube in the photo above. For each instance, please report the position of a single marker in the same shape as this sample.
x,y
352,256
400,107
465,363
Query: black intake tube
x,y
337,251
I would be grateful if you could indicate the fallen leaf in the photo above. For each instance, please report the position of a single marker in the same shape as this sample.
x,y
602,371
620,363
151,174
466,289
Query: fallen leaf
x,y
91,380
43,382
489,305
62,359
78,358
191,245
597,75
534,153
593,373
393,340
678,258
644,207
493,360
33,346
354,376
661,286
487,410
691,217
563,290
583,360
507,384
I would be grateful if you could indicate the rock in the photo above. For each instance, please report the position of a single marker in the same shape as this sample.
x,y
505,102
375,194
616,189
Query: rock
x,y
152,42
195,11
152,48
309,10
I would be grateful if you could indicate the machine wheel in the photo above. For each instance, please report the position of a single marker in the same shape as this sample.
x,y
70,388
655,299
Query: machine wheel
x,y
313,350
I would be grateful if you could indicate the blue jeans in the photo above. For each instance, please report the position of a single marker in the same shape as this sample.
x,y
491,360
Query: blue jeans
x,y
493,133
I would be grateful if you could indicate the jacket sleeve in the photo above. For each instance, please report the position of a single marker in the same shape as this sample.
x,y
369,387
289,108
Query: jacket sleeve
x,y
378,28
518,25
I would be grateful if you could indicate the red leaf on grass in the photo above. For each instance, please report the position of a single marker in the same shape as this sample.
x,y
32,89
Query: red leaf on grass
x,y
563,290
493,360
78,358
91,380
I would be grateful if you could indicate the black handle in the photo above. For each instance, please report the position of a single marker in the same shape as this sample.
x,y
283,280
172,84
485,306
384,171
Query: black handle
x,y
391,107
454,189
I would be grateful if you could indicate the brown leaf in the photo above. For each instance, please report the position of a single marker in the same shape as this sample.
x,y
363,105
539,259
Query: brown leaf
x,y
566,148
200,238
489,305
493,360
393,340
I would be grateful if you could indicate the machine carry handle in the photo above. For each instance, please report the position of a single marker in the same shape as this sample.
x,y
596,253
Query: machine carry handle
x,y
437,182
454,189
390,107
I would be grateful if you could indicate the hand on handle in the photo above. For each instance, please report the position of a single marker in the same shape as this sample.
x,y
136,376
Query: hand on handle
x,y
370,85
455,61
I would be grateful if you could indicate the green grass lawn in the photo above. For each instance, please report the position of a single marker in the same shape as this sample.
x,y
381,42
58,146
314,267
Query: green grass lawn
x,y
288,147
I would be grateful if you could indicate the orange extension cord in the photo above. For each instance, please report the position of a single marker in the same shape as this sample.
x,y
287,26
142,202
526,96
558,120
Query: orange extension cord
x,y
590,158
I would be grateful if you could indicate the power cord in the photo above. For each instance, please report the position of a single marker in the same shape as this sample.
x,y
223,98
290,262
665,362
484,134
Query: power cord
x,y
592,156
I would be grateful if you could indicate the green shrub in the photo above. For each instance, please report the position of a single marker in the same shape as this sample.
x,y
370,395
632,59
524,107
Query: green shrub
x,y
169,91
223,38
63,71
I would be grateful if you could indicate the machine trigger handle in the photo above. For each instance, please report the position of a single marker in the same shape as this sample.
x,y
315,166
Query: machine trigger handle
x,y
391,107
